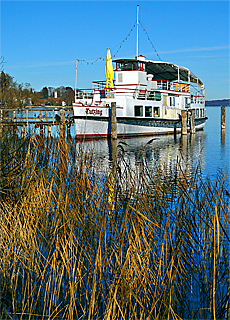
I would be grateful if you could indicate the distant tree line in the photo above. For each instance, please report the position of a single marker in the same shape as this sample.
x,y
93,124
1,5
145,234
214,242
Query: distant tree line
x,y
222,103
17,95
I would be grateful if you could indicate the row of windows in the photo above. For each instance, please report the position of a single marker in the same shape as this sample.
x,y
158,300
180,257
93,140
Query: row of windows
x,y
149,111
130,65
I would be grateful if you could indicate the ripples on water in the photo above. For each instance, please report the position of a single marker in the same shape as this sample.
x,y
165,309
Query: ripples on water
x,y
208,149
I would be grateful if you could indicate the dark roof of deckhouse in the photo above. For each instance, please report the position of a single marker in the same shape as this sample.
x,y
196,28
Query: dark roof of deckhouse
x,y
166,71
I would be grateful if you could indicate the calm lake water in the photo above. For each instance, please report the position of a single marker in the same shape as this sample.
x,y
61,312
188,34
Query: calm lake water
x,y
208,148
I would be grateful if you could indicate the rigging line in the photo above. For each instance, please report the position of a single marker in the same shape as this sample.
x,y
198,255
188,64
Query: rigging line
x,y
149,40
125,39
103,59
165,70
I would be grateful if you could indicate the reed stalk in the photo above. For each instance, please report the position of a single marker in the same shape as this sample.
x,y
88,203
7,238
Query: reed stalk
x,y
151,244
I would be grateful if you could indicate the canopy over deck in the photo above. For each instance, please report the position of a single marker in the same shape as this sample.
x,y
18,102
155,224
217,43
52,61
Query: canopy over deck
x,y
166,70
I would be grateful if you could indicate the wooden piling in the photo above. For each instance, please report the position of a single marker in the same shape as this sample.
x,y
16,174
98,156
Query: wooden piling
x,y
192,122
222,118
62,115
184,127
113,121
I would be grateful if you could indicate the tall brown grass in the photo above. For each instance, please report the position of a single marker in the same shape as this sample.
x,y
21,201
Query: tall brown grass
x,y
78,244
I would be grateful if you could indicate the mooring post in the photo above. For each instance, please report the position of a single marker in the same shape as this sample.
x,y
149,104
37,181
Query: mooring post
x,y
222,118
192,122
113,121
184,127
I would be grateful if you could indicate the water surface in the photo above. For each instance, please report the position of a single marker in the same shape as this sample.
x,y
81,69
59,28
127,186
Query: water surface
x,y
208,149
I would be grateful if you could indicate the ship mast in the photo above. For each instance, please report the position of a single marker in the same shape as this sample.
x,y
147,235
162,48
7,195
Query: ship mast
x,y
75,98
137,28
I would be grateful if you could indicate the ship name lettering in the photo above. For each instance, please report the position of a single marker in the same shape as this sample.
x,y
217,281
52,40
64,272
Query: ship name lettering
x,y
93,111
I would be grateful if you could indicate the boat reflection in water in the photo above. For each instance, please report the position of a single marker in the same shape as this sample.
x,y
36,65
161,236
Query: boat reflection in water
x,y
169,151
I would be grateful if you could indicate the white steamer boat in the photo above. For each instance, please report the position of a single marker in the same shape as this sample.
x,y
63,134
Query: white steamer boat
x,y
149,95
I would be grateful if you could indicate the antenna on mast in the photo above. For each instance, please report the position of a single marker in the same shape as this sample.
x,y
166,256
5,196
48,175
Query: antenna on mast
x,y
137,28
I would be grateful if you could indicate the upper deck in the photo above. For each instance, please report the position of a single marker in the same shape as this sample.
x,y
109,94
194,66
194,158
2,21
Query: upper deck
x,y
147,80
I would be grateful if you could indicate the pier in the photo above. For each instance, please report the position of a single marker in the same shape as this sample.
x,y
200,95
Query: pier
x,y
38,116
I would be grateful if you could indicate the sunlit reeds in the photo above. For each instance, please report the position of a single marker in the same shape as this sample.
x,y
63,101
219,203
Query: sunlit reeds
x,y
76,243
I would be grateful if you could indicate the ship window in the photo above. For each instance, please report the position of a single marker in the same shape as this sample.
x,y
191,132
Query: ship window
x,y
197,113
120,77
129,65
172,101
138,111
156,111
148,111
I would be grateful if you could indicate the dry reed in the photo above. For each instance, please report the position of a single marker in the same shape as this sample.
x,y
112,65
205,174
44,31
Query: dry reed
x,y
77,245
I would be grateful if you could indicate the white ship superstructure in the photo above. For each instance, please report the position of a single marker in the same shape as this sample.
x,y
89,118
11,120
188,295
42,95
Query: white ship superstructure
x,y
149,95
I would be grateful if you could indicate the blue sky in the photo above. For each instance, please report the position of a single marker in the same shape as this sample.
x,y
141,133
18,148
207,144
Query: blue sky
x,y
41,40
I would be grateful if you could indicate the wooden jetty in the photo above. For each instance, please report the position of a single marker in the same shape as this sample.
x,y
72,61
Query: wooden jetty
x,y
39,116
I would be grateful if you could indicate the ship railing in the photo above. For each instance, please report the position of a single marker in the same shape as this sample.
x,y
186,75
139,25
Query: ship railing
x,y
197,93
172,86
84,94
100,85
197,99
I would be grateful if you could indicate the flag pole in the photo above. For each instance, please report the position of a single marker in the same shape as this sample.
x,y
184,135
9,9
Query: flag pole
x,y
76,82
137,27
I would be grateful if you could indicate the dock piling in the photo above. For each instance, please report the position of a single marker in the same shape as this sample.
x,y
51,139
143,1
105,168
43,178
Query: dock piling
x,y
184,126
113,121
192,122
222,118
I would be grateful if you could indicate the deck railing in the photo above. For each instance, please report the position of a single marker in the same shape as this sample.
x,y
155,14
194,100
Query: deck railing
x,y
140,92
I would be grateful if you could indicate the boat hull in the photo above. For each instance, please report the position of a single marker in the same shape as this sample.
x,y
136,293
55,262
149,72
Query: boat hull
x,y
95,127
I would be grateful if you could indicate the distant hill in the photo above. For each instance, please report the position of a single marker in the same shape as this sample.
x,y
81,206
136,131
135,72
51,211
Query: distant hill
x,y
221,103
